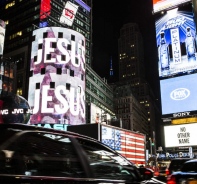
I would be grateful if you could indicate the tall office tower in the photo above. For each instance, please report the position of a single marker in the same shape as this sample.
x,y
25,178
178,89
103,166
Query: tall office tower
x,y
22,17
131,53
132,77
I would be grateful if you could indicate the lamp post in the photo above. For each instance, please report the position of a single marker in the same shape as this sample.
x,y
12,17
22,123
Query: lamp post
x,y
151,151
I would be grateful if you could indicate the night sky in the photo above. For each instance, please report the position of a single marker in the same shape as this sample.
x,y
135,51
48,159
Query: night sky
x,y
108,17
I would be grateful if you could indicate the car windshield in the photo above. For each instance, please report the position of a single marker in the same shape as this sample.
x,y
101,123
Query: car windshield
x,y
189,167
42,153
38,154
108,164
176,165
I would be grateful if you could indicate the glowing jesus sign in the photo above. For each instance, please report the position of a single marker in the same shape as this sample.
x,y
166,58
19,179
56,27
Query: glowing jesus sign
x,y
57,82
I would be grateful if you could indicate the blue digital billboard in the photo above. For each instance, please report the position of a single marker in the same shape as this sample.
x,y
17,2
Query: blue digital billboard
x,y
176,41
179,94
160,5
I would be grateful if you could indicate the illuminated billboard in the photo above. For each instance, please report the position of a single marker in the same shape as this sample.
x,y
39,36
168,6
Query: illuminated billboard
x,y
2,36
68,13
98,115
14,109
45,8
180,135
176,41
178,95
129,144
57,77
159,5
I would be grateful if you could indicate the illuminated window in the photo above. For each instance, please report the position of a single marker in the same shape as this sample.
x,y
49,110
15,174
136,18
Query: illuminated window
x,y
6,22
5,87
19,91
19,33
10,4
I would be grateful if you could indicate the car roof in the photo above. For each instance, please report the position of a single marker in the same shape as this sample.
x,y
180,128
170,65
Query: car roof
x,y
37,128
192,160
181,159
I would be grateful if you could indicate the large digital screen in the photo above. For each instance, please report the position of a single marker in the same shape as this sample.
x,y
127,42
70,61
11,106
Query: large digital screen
x,y
45,8
57,77
98,115
68,13
176,41
178,94
180,135
159,5
2,35
129,144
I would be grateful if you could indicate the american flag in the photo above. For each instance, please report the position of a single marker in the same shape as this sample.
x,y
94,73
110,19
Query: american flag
x,y
130,144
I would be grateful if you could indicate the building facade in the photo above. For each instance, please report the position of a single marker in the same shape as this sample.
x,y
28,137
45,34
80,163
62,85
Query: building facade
x,y
29,15
132,77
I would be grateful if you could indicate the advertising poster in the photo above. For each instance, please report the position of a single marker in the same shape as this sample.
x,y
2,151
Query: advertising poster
x,y
68,14
45,8
178,94
180,135
176,41
2,36
98,115
159,5
95,114
128,144
57,83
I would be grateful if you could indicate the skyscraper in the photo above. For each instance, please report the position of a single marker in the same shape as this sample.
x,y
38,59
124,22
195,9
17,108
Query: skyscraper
x,y
131,53
132,82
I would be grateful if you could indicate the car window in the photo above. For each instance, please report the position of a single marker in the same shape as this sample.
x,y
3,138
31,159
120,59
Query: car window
x,y
176,165
189,167
107,164
40,154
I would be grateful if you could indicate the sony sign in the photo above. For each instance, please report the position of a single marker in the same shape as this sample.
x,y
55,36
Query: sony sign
x,y
57,85
181,114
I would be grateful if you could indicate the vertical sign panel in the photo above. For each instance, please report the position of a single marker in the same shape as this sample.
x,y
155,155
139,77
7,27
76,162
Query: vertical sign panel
x,y
176,50
57,82
45,8
2,36
68,14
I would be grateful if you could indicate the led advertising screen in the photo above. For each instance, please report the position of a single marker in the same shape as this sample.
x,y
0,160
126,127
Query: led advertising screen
x,y
178,94
45,8
180,135
159,5
98,115
129,144
176,41
2,36
95,114
57,82
68,13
